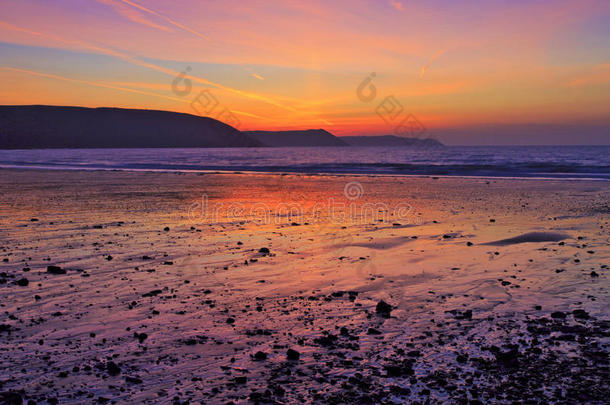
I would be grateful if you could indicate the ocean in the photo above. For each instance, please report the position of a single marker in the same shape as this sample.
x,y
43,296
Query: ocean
x,y
574,162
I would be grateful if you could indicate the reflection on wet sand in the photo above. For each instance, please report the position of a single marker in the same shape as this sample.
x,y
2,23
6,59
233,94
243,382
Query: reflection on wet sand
x,y
156,302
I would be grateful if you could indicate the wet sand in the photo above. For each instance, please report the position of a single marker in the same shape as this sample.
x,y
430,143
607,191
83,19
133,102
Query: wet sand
x,y
209,288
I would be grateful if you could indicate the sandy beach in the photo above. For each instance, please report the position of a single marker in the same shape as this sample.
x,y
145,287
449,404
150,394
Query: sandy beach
x,y
212,288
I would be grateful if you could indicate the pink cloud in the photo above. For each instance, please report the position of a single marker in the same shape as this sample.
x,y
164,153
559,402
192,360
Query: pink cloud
x,y
397,5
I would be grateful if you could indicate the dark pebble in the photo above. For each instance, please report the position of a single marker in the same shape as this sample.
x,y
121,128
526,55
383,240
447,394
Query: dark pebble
x,y
10,398
112,368
133,380
55,270
292,354
23,282
580,314
259,356
383,308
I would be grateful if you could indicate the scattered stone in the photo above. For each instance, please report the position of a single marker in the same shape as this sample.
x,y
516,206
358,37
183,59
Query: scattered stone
x,y
461,315
112,368
292,354
152,293
580,314
260,356
23,282
55,270
133,380
383,308
10,398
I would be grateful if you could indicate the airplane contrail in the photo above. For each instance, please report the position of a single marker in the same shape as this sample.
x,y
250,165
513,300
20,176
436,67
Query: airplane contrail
x,y
169,20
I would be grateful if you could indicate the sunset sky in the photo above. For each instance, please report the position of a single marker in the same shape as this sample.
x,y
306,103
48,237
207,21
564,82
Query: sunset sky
x,y
469,71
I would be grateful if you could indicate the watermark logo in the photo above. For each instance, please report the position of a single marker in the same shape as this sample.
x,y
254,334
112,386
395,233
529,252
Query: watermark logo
x,y
367,91
350,211
410,126
389,109
353,190
204,103
181,85
392,112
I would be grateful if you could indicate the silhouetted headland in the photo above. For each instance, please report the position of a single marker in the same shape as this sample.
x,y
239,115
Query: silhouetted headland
x,y
46,127
37,126
308,137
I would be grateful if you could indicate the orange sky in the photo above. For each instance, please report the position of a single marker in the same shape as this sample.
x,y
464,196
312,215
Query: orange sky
x,y
293,64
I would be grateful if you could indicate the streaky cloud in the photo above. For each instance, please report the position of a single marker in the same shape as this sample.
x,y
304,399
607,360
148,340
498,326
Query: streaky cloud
x,y
168,19
133,14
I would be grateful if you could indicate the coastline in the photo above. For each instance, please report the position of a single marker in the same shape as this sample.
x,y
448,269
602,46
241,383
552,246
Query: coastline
x,y
305,173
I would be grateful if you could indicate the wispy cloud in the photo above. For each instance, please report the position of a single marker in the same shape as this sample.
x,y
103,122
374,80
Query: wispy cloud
x,y
90,83
253,73
133,14
152,66
435,57
11,27
166,18
139,62
247,114
599,74
139,85
120,88
397,5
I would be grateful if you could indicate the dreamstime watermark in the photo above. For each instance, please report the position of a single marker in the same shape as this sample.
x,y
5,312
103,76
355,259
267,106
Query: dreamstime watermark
x,y
347,211
337,226
204,103
391,111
